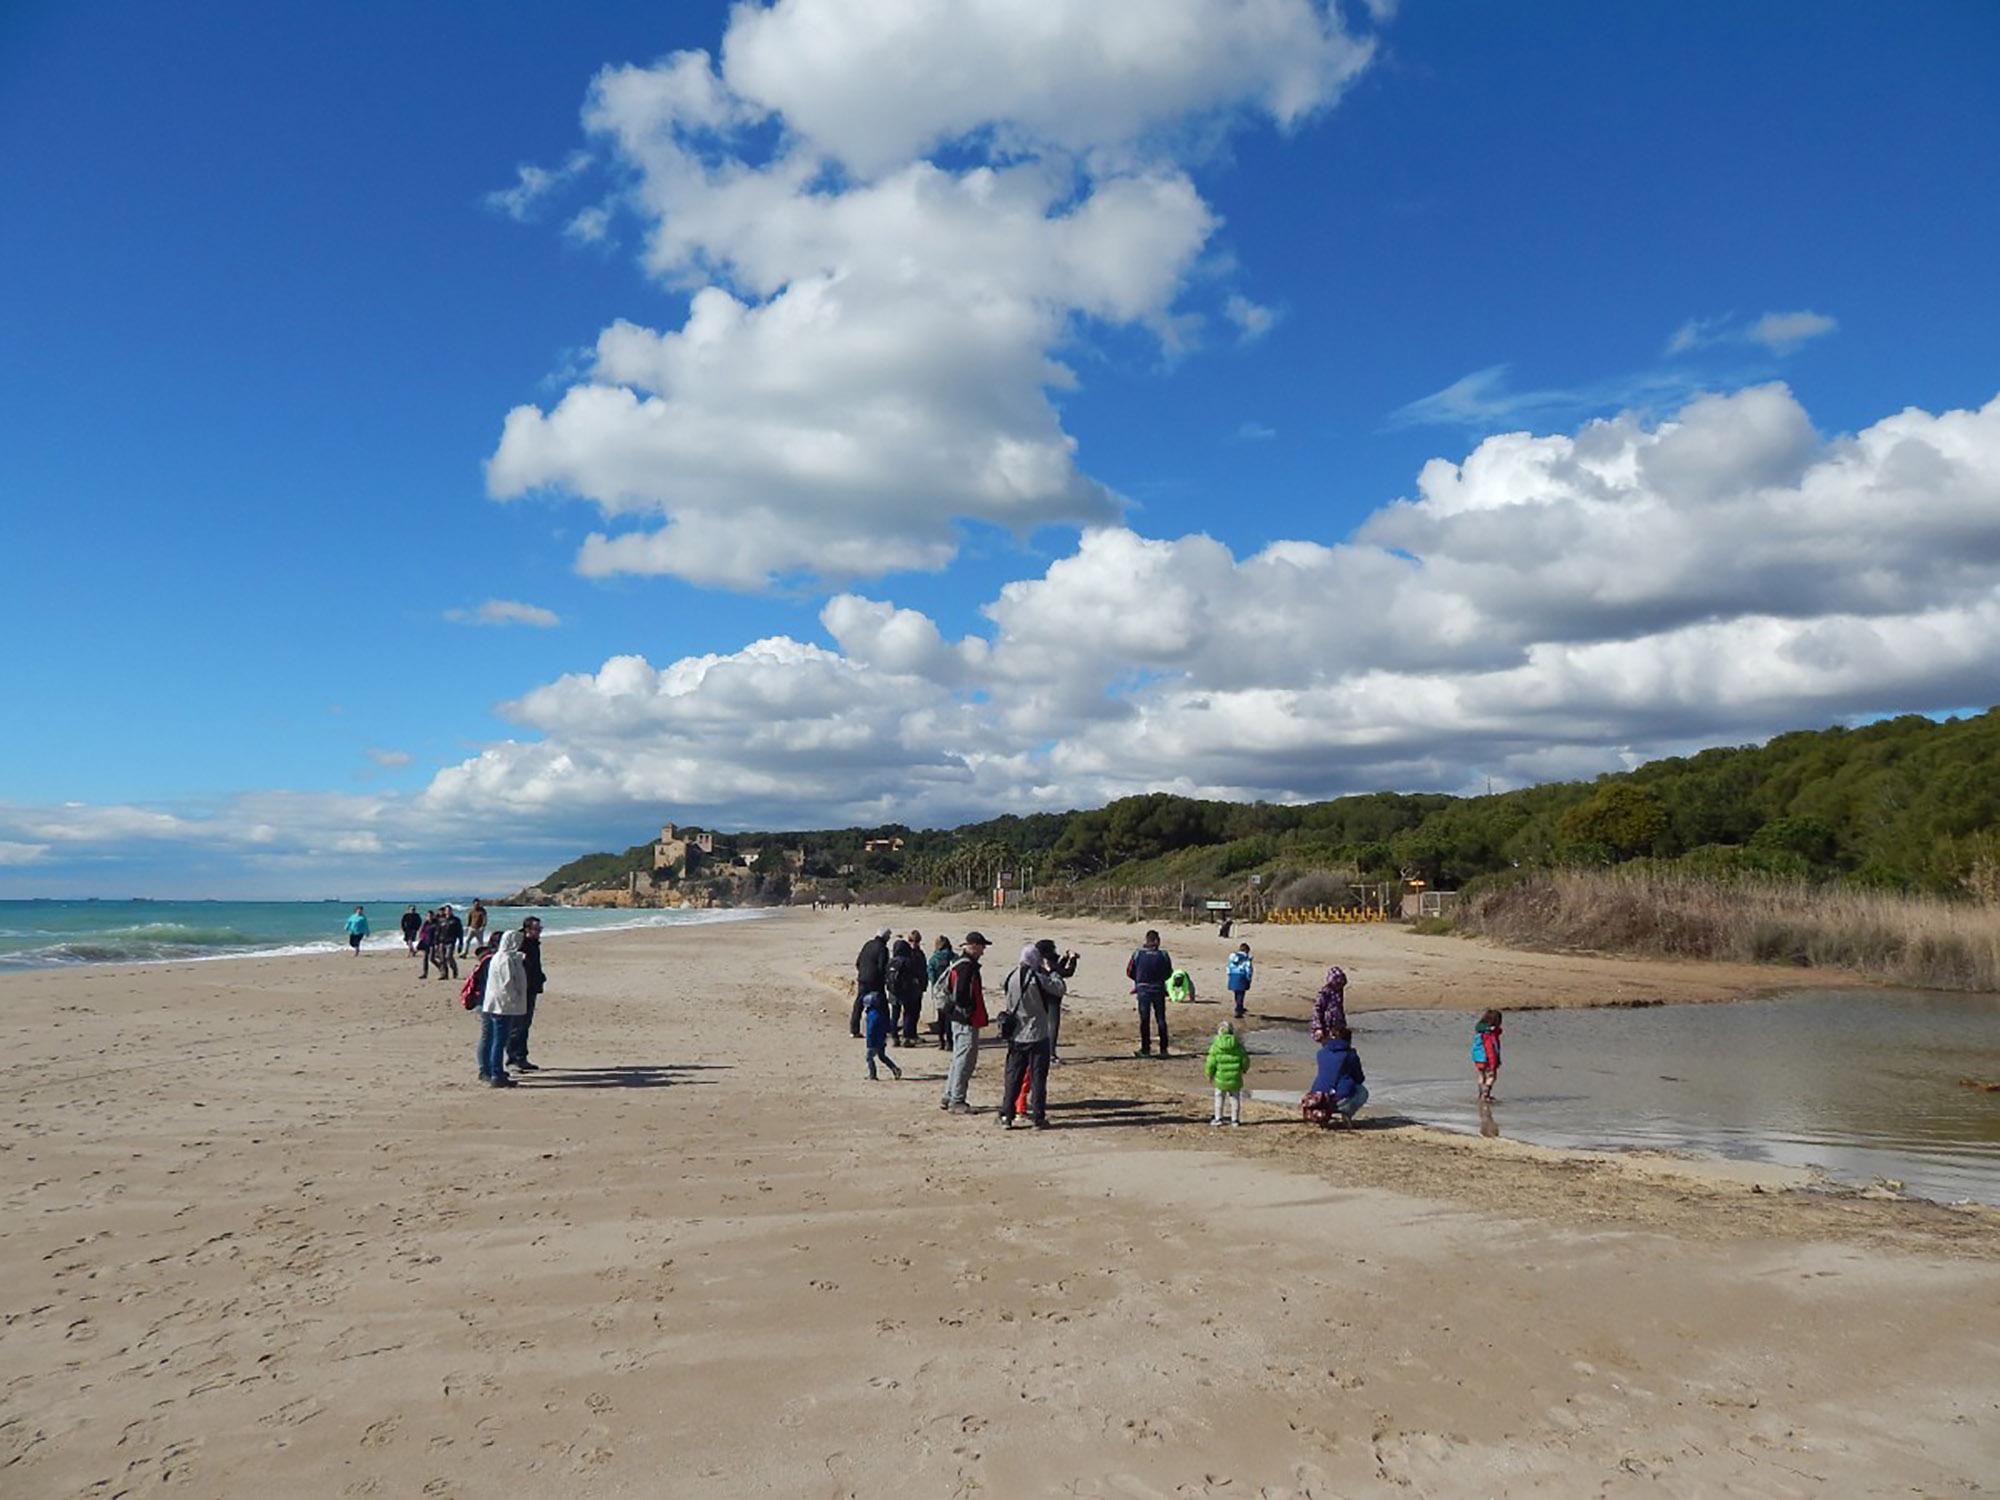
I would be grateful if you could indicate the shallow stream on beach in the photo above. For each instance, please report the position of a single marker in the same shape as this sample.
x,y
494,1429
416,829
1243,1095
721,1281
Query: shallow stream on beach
x,y
1861,1083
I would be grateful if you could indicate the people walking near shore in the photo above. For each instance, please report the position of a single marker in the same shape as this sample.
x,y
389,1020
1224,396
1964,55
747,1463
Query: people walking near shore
x,y
941,959
426,939
1024,1021
965,1007
1486,1054
501,1008
1339,1087
537,981
357,929
1241,972
1148,968
1226,1063
475,926
1330,1005
445,928
412,925
871,976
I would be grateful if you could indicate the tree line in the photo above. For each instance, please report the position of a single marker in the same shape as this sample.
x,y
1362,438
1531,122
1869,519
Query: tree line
x,y
1907,803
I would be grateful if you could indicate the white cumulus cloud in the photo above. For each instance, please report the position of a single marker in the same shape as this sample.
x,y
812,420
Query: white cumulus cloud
x,y
869,356
1549,604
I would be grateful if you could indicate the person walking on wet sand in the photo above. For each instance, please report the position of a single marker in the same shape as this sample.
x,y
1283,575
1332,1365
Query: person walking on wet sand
x,y
412,925
1149,968
965,1007
357,929
1486,1054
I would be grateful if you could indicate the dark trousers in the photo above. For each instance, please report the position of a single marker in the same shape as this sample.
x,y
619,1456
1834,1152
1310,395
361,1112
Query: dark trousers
x,y
860,1004
1029,1059
1152,1012
517,1035
909,1010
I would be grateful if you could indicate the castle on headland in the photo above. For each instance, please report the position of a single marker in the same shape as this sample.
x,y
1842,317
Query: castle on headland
x,y
684,866
682,848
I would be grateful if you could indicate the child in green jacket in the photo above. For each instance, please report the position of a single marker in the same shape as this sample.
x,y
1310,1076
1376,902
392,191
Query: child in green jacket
x,y
1227,1063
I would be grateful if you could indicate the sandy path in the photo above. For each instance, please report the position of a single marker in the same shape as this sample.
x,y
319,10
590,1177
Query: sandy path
x,y
263,1235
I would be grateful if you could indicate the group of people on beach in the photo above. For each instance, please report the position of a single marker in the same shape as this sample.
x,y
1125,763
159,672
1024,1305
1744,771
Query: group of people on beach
x,y
505,981
442,937
893,975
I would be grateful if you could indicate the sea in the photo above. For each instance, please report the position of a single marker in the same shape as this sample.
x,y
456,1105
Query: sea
x,y
57,934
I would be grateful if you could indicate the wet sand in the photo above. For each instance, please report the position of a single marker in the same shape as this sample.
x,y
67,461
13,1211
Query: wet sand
x,y
264,1234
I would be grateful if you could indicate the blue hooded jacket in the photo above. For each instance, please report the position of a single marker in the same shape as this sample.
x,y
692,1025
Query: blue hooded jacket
x,y
1239,972
1339,1070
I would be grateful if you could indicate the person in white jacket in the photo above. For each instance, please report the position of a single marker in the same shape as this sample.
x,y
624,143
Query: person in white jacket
x,y
505,998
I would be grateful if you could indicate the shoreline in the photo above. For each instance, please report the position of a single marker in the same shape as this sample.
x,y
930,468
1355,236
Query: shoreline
x,y
263,1232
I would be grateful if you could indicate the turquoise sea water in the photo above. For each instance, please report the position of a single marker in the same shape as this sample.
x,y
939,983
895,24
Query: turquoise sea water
x,y
48,934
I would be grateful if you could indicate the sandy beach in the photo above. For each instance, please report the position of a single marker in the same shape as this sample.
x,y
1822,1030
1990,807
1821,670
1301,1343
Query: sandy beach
x,y
265,1235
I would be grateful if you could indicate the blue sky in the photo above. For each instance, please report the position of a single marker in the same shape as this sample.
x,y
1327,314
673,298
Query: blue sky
x,y
265,320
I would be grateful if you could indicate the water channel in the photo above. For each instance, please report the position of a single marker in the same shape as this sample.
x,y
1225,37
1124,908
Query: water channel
x,y
1863,1084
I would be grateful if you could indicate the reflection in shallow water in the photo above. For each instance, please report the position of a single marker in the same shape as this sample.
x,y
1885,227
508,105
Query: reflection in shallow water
x,y
1862,1083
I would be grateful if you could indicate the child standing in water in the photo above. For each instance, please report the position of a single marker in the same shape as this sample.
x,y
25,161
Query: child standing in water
x,y
1227,1062
1486,1053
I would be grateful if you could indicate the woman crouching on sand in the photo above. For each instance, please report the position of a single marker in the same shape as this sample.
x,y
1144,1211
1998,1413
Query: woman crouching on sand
x,y
506,998
1340,1087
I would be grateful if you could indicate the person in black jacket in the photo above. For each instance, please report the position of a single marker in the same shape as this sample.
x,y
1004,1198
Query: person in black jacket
x,y
531,961
908,979
871,975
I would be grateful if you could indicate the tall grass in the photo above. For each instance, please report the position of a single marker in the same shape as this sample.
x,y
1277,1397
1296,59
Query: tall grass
x,y
1917,940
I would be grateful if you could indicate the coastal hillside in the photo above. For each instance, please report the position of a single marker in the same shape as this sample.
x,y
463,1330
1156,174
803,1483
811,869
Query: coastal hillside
x,y
1909,804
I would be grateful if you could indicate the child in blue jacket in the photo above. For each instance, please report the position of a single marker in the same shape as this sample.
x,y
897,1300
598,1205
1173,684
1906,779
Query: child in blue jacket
x,y
1239,975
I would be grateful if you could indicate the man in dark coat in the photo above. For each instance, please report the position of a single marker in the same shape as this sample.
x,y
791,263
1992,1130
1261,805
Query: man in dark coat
x,y
871,975
531,961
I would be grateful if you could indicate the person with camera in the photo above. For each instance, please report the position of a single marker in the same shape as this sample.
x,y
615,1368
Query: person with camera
x,y
1063,965
1030,989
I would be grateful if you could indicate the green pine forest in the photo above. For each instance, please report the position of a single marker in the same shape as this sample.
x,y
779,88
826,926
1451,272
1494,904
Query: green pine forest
x,y
1909,805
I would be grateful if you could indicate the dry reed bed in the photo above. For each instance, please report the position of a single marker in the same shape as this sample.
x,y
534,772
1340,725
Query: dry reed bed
x,y
1917,940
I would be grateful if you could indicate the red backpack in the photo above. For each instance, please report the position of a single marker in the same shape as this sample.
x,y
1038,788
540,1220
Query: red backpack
x,y
474,989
